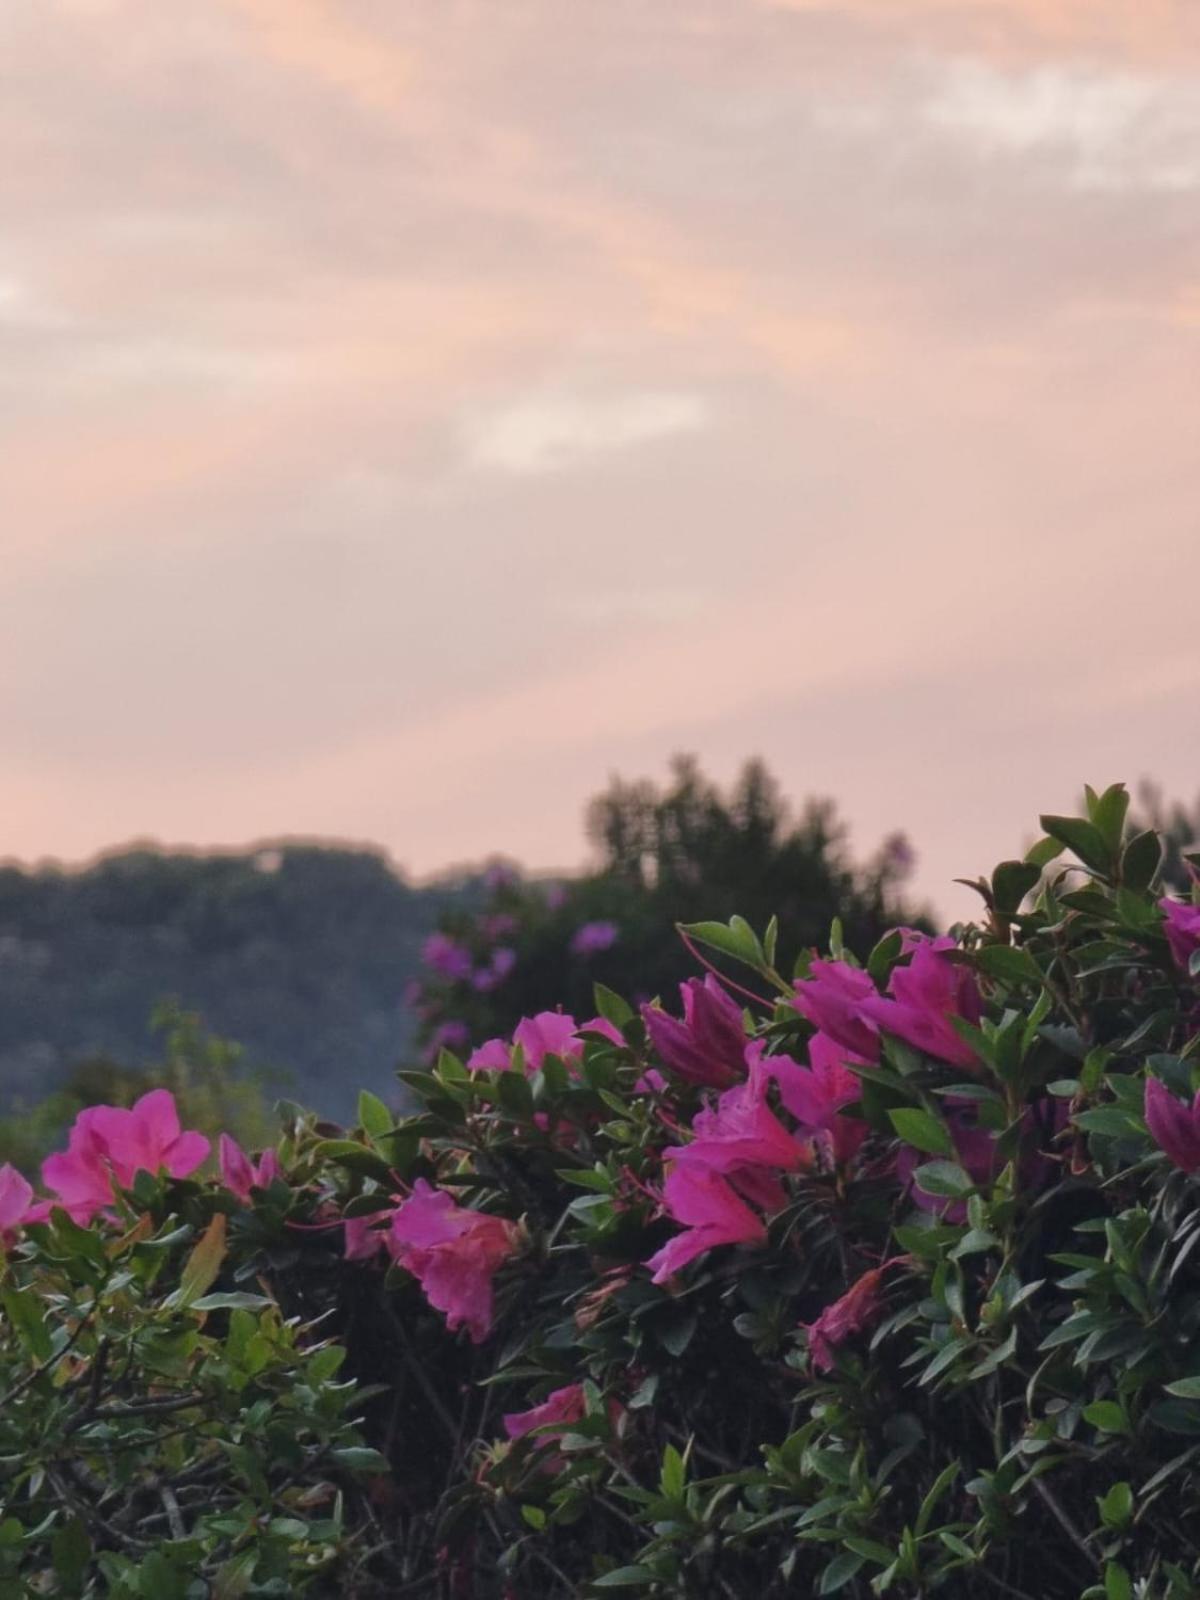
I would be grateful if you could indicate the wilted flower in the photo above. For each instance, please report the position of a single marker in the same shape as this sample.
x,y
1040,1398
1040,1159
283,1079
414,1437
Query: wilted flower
x,y
1181,924
832,998
109,1144
453,1253
564,1406
708,1046
239,1174
853,1313
590,938
926,994
1174,1124
711,1213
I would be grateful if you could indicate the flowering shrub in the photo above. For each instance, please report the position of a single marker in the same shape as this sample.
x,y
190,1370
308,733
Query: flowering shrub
x,y
873,1277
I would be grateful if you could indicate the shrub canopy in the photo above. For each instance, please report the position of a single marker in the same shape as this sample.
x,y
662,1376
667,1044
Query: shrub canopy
x,y
875,1276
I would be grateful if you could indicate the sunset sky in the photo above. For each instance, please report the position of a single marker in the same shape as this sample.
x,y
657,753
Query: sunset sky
x,y
414,411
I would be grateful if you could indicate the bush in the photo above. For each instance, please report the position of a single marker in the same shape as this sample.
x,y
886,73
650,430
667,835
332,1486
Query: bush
x,y
886,1284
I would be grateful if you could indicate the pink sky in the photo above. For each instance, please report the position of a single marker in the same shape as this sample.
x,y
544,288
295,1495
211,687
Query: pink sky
x,y
412,414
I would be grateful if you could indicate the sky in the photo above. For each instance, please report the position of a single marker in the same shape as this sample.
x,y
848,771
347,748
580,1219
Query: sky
x,y
411,415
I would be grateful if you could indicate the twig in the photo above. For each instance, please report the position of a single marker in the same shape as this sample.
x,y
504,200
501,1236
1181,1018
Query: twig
x,y
1060,1516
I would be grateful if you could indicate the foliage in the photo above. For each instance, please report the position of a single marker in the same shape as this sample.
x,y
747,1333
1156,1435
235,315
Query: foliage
x,y
1178,826
664,856
910,1309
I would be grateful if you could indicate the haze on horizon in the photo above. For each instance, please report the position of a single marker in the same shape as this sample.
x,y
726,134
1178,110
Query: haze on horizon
x,y
411,415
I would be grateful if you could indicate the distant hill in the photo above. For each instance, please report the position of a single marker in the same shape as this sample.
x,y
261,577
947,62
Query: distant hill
x,y
299,952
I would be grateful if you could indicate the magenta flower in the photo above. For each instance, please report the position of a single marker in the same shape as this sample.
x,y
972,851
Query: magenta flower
x,y
239,1174
561,1406
712,1214
1181,924
590,938
498,925
362,1238
447,957
833,998
926,994
816,1094
1174,1125
453,1035
708,1046
550,1033
453,1253
975,1150
853,1313
741,1131
17,1206
109,1145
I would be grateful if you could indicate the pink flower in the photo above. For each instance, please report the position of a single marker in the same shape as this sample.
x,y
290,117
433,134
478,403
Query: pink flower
x,y
16,1205
741,1131
561,1406
110,1145
591,938
1181,924
711,1213
816,1094
362,1238
927,993
239,1174
1174,1125
975,1151
550,1033
833,998
452,1035
853,1313
454,1253
709,1044
446,956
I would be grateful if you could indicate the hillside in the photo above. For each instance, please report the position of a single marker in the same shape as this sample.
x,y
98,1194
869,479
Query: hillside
x,y
299,952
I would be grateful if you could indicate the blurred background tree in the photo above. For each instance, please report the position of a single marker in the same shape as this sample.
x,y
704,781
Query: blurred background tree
x,y
1179,825
665,854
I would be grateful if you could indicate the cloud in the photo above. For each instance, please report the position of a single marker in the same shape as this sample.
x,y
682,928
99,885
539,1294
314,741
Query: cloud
x,y
555,432
1117,129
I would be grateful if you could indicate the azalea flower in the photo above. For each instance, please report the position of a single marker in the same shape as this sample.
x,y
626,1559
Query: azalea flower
x,y
708,1045
1181,924
741,1131
926,994
712,1214
815,1094
17,1206
550,1033
362,1238
591,938
446,956
109,1145
454,1253
1174,1124
853,1313
833,998
239,1174
560,1406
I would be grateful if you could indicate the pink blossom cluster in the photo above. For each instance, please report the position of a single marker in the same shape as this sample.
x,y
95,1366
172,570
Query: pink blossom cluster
x,y
549,1033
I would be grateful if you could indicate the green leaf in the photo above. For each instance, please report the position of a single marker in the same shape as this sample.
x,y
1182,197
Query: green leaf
x,y
373,1116
235,1301
1008,964
360,1458
611,1006
922,1130
1107,1415
202,1266
1117,1585
1083,838
674,1474
625,1578
1108,813
943,1178
1011,882
25,1313
70,1552
839,1572
1140,860
1116,1508
1185,1388
737,940
354,1157
1044,852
